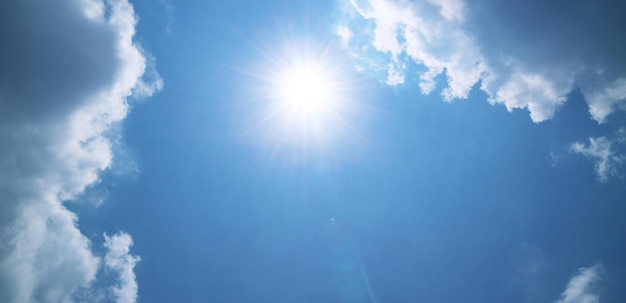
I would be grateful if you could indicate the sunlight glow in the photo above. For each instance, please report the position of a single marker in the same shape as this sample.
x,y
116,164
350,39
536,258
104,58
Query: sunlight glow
x,y
307,97
306,102
305,89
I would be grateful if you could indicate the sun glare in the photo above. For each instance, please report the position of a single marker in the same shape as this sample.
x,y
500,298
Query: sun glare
x,y
307,96
305,89
307,100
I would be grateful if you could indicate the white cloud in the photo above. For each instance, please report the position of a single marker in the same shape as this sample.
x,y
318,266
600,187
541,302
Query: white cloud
x,y
45,257
119,259
428,34
68,67
602,150
530,57
532,91
452,10
394,74
579,288
603,101
363,7
345,34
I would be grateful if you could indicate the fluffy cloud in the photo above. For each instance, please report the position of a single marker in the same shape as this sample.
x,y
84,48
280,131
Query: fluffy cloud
x,y
523,54
66,70
579,287
604,152
119,259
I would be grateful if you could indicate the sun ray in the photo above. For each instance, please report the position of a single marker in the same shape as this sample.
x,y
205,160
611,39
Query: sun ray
x,y
307,99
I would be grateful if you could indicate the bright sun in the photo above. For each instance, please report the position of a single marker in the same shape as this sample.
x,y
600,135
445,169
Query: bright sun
x,y
307,98
305,89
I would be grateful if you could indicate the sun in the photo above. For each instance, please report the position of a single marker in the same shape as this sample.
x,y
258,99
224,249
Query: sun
x,y
304,100
307,99
306,89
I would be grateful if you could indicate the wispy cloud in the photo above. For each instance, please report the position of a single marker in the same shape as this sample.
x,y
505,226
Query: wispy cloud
x,y
169,12
579,289
67,69
530,57
603,152
345,34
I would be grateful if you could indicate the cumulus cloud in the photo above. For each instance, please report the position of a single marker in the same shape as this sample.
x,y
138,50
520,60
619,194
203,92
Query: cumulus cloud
x,y
119,259
522,54
604,152
66,70
579,289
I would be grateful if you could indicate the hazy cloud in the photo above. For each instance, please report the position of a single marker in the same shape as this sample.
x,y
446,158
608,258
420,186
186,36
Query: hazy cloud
x,y
345,34
66,70
579,288
523,54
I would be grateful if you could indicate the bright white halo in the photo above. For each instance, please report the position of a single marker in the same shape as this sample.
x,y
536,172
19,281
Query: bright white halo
x,y
307,101
307,97
306,90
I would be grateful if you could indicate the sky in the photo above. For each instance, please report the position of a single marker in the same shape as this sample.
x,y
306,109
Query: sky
x,y
349,151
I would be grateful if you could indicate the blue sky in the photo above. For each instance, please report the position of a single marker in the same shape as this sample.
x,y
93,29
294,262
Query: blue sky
x,y
297,151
